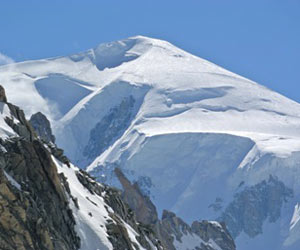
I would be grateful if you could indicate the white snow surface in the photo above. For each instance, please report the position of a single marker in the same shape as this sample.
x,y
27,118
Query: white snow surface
x,y
5,130
12,181
294,235
196,126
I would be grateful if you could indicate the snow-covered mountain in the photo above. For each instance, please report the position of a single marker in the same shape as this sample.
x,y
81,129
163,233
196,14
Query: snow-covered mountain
x,y
49,204
199,140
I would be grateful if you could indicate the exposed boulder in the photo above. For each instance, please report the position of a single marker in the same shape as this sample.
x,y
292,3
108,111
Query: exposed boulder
x,y
42,127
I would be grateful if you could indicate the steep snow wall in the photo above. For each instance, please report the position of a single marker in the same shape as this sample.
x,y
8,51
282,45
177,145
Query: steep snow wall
x,y
193,167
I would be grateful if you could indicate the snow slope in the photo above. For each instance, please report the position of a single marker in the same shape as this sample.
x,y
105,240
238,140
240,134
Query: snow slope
x,y
91,229
5,130
189,131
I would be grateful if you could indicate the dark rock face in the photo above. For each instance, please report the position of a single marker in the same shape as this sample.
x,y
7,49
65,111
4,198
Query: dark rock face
x,y
170,225
144,210
58,153
23,127
109,128
42,127
254,205
174,225
13,233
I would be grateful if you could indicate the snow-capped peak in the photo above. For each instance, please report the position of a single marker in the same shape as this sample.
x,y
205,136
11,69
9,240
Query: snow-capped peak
x,y
175,123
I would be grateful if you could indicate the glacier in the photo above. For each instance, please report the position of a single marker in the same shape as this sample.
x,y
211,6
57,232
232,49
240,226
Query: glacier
x,y
192,134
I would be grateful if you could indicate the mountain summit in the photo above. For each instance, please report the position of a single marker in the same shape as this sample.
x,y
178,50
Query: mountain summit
x,y
199,140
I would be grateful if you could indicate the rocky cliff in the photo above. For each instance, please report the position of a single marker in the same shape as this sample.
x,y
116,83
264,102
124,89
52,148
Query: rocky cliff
x,y
34,207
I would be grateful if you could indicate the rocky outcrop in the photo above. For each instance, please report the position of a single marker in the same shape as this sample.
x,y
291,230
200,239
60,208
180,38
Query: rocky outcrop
x,y
2,95
213,230
109,128
144,209
19,123
42,127
171,230
210,232
174,226
254,205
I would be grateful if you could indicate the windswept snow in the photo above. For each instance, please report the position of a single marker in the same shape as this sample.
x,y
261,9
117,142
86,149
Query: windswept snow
x,y
63,92
185,93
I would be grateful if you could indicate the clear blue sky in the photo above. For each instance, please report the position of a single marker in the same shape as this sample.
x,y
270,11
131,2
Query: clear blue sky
x,y
259,39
